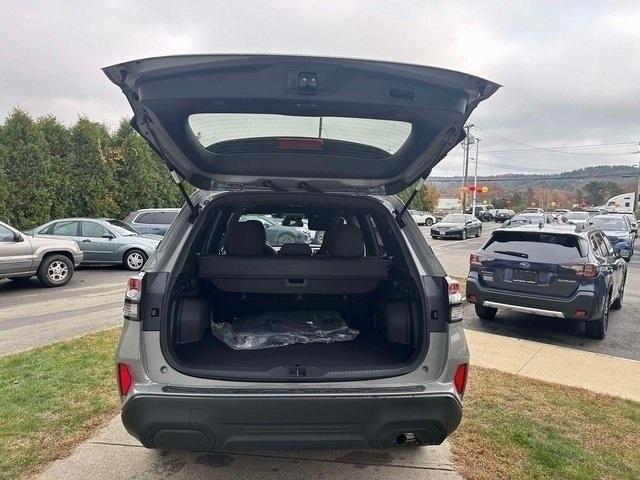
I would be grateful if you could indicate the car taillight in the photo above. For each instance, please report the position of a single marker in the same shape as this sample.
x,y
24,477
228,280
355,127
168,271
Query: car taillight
x,y
475,260
587,270
132,297
455,300
454,286
460,378
125,379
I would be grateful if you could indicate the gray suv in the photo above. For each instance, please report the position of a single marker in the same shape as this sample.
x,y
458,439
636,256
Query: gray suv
x,y
356,343
22,256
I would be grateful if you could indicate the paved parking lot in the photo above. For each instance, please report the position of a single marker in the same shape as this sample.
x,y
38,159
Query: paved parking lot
x,y
32,315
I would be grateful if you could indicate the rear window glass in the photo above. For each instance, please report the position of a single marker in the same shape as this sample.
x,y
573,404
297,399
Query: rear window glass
x,y
212,128
610,223
536,247
165,218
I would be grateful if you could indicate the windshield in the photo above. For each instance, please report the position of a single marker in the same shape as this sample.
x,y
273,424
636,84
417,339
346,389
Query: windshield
x,y
453,218
576,215
123,228
610,223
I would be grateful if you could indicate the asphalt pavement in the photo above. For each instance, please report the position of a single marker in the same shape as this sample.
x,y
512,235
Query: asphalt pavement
x,y
33,315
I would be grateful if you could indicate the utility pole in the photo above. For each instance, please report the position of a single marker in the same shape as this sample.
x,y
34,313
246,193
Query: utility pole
x,y
466,166
475,177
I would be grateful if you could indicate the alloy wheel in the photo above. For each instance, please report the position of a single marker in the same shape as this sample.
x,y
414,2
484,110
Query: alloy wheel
x,y
57,271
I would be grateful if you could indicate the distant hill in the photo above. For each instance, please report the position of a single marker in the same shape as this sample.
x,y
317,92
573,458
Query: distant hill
x,y
569,181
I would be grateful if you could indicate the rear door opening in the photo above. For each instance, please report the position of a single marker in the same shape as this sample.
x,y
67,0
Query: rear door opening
x,y
233,273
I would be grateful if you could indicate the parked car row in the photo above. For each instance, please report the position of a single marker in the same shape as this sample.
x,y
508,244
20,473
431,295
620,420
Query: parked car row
x,y
557,270
52,251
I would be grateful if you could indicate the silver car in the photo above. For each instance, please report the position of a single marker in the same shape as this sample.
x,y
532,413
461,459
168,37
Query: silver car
x,y
22,256
228,344
103,241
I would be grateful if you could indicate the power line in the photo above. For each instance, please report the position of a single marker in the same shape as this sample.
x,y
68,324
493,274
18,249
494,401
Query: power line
x,y
537,178
531,147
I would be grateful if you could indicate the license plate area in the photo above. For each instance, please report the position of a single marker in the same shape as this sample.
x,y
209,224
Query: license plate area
x,y
525,276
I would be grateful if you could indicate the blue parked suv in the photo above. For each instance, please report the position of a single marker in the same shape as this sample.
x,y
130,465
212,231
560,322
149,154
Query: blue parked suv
x,y
557,271
152,220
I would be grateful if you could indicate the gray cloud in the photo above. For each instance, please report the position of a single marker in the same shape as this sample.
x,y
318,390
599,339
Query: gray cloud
x,y
569,69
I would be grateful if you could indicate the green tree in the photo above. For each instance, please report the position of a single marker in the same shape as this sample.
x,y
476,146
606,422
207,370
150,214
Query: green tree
x,y
60,149
27,171
597,192
92,190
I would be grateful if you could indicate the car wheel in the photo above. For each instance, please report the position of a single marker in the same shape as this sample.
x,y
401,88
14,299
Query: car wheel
x,y
55,271
134,259
479,232
598,328
429,222
286,238
617,304
486,313
463,236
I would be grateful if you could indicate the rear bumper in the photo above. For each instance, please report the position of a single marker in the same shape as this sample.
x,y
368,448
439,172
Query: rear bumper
x,y
190,422
447,234
547,306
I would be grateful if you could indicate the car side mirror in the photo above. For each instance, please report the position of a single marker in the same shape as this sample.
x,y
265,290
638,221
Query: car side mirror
x,y
108,236
469,222
17,237
625,254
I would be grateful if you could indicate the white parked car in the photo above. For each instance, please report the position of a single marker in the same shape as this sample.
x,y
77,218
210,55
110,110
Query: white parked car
x,y
422,218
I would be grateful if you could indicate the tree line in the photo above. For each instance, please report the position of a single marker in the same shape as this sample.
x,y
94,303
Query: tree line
x,y
49,170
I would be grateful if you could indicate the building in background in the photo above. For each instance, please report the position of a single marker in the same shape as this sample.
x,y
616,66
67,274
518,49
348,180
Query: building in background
x,y
448,205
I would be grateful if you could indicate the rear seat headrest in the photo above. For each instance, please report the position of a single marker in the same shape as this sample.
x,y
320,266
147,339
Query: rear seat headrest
x,y
295,249
245,239
347,242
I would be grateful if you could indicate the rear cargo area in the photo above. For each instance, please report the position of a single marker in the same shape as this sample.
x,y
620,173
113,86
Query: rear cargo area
x,y
356,281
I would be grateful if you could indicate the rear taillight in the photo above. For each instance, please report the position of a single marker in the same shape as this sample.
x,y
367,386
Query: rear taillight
x,y
132,297
460,378
125,379
455,300
587,270
475,260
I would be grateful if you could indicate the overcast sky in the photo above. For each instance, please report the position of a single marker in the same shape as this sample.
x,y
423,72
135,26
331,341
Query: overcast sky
x,y
570,73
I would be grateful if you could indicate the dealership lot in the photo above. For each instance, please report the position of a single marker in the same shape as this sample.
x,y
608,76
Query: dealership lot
x,y
33,315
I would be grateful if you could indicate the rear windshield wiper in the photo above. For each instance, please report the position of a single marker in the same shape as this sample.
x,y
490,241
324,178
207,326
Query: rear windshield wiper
x,y
512,253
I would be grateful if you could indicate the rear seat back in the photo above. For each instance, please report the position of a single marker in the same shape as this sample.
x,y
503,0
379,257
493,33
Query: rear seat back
x,y
344,269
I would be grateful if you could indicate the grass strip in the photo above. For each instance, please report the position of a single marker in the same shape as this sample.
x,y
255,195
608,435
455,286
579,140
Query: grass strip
x,y
519,428
52,398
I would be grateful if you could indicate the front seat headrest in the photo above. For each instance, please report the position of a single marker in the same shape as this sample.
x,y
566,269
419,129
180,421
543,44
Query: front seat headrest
x,y
295,249
347,242
245,239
